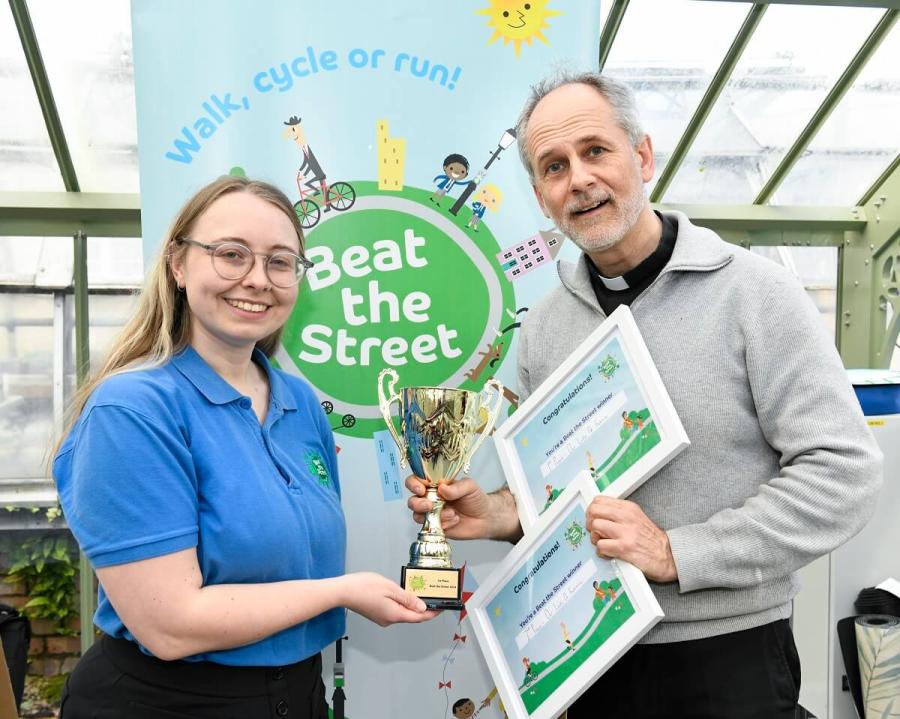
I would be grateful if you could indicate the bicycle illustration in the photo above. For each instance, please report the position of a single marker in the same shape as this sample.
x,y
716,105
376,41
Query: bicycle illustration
x,y
340,196
347,420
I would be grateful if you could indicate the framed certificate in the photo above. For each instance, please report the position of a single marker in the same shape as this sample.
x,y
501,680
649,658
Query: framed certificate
x,y
604,410
553,616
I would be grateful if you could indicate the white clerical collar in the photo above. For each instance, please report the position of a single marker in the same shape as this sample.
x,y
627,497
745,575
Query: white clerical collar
x,y
613,283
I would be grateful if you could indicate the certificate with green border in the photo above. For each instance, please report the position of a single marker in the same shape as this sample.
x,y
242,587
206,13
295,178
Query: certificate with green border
x,y
553,616
604,410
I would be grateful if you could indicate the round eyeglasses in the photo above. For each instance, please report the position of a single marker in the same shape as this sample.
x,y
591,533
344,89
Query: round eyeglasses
x,y
233,261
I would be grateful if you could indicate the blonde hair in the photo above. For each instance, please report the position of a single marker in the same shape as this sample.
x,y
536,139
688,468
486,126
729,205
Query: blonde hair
x,y
160,325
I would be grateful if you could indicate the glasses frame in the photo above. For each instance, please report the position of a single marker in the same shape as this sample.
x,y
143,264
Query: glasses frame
x,y
305,263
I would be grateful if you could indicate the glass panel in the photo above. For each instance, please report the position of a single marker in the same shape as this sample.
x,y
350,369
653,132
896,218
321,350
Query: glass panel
x,y
857,142
26,383
108,314
26,157
87,51
816,268
48,261
36,261
115,262
780,80
667,51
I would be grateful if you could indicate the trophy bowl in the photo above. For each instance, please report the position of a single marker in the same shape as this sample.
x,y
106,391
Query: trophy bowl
x,y
441,428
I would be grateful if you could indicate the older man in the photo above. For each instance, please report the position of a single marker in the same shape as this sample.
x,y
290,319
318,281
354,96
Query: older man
x,y
781,467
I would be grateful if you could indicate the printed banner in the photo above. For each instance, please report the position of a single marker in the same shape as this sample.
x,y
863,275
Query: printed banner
x,y
391,128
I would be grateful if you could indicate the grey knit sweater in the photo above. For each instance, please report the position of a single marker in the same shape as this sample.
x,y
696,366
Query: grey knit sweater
x,y
781,468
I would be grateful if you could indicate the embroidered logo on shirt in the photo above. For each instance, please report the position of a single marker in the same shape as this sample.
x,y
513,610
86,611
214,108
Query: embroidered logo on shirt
x,y
316,466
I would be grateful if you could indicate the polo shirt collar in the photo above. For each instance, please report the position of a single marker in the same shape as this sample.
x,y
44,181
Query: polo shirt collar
x,y
278,388
217,390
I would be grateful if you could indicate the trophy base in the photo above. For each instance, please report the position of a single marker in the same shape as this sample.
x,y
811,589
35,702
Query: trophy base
x,y
438,587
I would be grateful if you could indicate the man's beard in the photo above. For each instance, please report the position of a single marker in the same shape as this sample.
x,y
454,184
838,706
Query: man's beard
x,y
603,233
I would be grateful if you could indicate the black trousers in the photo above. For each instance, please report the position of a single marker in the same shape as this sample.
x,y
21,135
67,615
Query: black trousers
x,y
115,680
753,674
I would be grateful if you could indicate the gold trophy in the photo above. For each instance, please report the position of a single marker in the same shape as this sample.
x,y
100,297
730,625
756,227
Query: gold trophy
x,y
438,436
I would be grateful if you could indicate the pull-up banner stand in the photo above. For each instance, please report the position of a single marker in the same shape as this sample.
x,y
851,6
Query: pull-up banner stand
x,y
390,126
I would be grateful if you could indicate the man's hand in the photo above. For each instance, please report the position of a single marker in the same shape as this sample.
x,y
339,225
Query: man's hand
x,y
620,530
468,513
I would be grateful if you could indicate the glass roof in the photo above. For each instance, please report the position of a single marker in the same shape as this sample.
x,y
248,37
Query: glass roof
x,y
781,79
669,77
92,75
857,142
26,157
667,50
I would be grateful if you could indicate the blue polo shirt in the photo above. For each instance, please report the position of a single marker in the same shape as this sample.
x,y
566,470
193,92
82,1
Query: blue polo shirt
x,y
173,457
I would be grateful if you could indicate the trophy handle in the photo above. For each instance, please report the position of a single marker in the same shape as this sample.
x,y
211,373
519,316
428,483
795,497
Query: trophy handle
x,y
492,416
385,402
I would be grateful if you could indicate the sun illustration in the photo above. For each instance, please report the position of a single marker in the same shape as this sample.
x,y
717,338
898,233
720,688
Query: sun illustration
x,y
517,22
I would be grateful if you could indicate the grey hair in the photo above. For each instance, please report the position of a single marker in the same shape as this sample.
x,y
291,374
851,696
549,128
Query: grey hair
x,y
616,93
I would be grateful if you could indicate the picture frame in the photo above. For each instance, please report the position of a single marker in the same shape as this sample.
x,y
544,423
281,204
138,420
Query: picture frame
x,y
552,617
604,410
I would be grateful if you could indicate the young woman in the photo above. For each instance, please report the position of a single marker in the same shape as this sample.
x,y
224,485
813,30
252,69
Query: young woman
x,y
202,484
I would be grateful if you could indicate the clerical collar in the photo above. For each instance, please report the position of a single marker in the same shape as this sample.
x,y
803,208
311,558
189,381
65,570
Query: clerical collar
x,y
616,284
614,291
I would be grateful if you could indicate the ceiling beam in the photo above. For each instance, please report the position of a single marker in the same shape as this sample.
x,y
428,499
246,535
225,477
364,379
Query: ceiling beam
x,y
720,79
45,94
62,214
890,170
610,30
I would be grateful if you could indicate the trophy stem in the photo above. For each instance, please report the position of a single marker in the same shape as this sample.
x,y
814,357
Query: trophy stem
x,y
431,548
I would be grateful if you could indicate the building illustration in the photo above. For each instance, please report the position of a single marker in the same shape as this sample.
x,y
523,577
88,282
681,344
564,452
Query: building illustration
x,y
531,253
391,158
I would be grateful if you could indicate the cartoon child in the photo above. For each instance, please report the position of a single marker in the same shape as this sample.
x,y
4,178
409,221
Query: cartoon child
x,y
488,197
599,593
456,167
464,708
629,423
552,494
527,663
566,638
489,698
310,169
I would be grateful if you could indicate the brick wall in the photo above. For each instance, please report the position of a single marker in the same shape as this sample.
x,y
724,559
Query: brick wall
x,y
50,653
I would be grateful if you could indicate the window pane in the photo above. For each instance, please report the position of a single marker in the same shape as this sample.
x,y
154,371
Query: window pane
x,y
36,261
780,80
115,262
857,142
27,162
87,50
48,261
26,371
667,51
26,383
108,314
